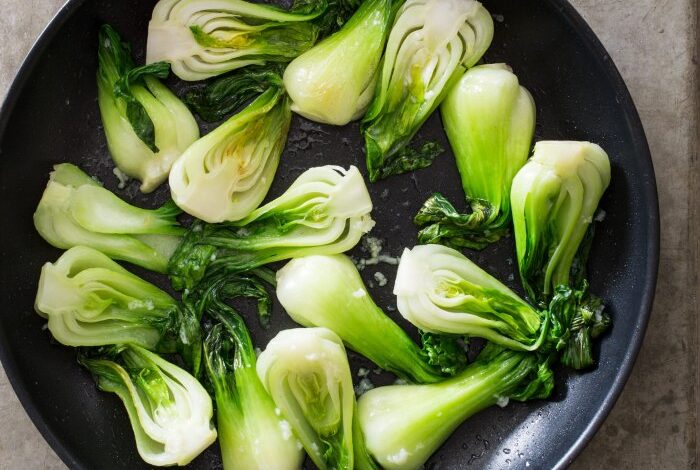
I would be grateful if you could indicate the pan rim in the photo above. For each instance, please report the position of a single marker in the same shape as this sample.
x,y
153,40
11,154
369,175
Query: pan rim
x,y
9,102
641,145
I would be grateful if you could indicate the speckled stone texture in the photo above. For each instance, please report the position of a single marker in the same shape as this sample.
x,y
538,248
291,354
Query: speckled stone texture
x,y
655,45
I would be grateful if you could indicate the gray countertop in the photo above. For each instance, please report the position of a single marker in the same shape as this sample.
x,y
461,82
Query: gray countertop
x,y
654,44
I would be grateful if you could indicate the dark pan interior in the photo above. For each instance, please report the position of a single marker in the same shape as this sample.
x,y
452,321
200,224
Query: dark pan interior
x,y
51,116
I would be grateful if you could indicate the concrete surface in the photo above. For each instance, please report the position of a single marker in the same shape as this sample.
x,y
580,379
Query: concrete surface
x,y
655,45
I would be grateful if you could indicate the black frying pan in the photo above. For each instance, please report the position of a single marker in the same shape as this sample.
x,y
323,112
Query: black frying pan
x,y
51,116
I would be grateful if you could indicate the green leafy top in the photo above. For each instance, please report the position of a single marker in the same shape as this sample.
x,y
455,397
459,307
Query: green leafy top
x,y
223,95
578,317
135,112
409,159
337,14
442,223
446,352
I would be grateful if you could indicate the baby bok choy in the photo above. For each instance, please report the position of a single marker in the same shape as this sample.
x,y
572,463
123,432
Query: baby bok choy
x,y
577,317
490,121
334,81
328,292
227,173
430,45
205,38
76,210
170,412
405,424
253,433
146,125
89,300
307,373
554,198
325,211
441,291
